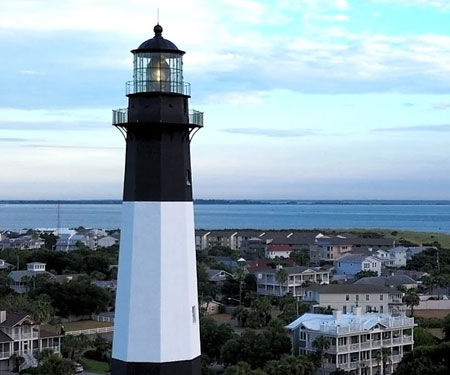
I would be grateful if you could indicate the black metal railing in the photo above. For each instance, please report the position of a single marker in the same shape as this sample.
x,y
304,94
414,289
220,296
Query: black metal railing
x,y
135,87
120,116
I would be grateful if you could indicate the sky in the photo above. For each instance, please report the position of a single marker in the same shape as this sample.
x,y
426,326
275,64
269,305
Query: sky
x,y
303,99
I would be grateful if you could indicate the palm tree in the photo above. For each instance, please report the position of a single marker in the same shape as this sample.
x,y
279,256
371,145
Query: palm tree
x,y
239,275
321,344
281,276
383,356
411,299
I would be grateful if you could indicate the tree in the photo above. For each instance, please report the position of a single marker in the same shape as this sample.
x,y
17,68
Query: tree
x,y
281,276
383,356
291,365
240,275
73,346
446,327
411,299
301,258
368,273
243,368
213,336
426,360
321,344
55,365
423,337
257,347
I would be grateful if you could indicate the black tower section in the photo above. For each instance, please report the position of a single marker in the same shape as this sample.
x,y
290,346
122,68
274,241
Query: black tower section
x,y
158,126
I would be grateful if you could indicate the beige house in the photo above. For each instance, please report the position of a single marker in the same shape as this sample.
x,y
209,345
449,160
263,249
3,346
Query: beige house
x,y
355,340
348,297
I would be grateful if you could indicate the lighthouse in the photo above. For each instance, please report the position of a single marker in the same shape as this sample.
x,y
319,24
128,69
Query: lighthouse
x,y
156,327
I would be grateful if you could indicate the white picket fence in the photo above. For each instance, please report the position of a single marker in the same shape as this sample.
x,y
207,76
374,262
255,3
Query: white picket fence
x,y
91,331
103,318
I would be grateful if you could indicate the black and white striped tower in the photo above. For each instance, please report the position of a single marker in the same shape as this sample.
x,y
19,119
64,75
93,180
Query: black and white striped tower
x,y
156,321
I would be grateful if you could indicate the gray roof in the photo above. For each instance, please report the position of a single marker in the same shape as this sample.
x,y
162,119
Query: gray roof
x,y
354,258
4,337
394,280
291,270
350,288
18,275
13,318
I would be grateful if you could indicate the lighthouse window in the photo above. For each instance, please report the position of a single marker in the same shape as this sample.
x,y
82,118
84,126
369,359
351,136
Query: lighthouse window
x,y
188,177
194,317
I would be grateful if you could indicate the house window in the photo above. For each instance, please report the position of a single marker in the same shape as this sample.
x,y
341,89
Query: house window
x,y
381,309
367,297
344,309
347,297
357,297
381,297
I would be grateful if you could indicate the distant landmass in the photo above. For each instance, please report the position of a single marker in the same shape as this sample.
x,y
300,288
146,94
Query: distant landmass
x,y
247,202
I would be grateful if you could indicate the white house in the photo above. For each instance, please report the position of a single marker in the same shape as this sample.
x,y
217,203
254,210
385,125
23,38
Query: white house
x,y
351,264
298,278
278,251
20,336
106,241
355,340
18,280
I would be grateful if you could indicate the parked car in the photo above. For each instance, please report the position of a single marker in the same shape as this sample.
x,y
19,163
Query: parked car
x,y
78,368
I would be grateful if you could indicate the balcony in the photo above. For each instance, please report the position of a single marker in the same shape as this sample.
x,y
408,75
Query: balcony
x,y
135,87
120,116
4,355
407,339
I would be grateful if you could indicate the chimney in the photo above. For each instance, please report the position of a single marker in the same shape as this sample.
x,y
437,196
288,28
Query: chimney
x,y
337,315
2,316
358,311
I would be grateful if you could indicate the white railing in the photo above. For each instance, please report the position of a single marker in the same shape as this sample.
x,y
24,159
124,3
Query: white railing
x,y
387,342
92,331
397,340
5,354
358,326
102,318
407,339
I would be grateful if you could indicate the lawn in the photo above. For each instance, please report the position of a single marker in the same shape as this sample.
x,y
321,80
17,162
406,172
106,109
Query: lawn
x,y
96,367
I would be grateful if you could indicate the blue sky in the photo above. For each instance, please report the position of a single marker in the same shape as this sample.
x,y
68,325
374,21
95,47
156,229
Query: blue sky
x,y
303,99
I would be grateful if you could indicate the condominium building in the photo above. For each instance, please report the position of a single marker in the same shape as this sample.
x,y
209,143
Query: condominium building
x,y
361,344
348,297
298,278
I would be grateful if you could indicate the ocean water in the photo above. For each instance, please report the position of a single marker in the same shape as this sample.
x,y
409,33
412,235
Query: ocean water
x,y
418,216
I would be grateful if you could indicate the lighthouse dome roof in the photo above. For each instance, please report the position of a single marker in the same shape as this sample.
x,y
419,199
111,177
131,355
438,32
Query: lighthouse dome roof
x,y
158,43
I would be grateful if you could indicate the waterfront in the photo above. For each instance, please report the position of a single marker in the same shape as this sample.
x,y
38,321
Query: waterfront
x,y
419,216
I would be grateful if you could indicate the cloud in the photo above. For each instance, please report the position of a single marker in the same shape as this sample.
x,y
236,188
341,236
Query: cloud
x,y
408,104
440,4
13,140
273,133
444,128
31,73
71,147
441,106
52,125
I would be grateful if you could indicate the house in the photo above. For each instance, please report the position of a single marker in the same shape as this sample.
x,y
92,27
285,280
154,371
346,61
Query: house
x,y
212,308
106,241
328,248
392,281
70,241
355,340
351,264
4,265
20,336
278,251
22,243
298,278
201,239
348,297
20,280
218,277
